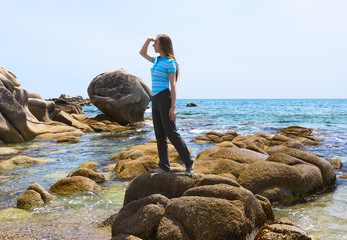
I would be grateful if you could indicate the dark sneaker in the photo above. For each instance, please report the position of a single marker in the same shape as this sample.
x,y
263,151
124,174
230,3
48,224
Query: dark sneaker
x,y
189,171
158,170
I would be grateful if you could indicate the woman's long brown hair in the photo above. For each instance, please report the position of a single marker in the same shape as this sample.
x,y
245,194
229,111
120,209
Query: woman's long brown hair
x,y
166,45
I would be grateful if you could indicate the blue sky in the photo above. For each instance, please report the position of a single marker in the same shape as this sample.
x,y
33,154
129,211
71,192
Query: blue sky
x,y
226,49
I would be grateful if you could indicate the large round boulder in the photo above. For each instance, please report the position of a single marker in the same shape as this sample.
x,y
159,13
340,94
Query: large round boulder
x,y
281,182
120,95
222,160
175,206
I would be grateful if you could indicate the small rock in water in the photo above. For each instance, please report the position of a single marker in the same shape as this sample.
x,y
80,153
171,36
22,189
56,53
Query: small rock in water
x,y
89,165
34,196
335,163
22,161
68,139
7,151
191,105
70,185
282,228
88,173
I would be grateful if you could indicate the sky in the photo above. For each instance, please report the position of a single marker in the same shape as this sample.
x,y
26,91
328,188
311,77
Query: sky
x,y
229,49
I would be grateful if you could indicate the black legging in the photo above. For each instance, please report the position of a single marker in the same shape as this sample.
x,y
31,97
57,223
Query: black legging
x,y
165,129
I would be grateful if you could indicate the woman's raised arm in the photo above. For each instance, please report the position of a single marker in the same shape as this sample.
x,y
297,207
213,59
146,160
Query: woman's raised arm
x,y
144,49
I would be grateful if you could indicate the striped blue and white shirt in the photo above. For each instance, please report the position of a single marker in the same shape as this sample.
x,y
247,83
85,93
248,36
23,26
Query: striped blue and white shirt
x,y
162,66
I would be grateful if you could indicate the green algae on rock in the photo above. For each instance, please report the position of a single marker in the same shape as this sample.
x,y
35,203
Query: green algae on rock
x,y
9,214
70,185
35,196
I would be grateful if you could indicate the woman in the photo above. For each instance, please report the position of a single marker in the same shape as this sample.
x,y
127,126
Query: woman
x,y
164,75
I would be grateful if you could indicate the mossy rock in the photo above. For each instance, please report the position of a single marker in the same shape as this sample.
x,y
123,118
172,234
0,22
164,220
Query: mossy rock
x,y
13,214
29,200
70,185
89,165
88,173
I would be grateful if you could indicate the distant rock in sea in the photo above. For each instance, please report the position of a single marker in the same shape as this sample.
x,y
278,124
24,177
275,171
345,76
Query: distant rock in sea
x,y
191,105
70,104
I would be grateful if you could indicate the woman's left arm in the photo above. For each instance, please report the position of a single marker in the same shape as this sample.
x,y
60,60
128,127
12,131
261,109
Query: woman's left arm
x,y
172,113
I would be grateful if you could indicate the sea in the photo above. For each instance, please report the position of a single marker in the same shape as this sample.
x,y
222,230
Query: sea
x,y
323,216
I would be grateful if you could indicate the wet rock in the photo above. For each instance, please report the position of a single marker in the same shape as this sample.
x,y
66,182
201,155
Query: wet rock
x,y
125,237
225,160
102,123
301,134
280,182
198,207
137,124
70,185
335,163
46,196
56,131
191,105
282,228
68,139
35,196
108,221
327,172
201,139
140,159
276,167
236,154
89,165
30,199
9,214
120,95
296,131
8,151
22,161
216,137
88,173
129,168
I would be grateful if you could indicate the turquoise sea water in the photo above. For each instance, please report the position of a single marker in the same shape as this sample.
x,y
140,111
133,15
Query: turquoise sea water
x,y
324,216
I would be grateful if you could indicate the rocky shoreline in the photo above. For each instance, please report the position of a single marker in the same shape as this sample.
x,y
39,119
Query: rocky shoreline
x,y
229,196
154,203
